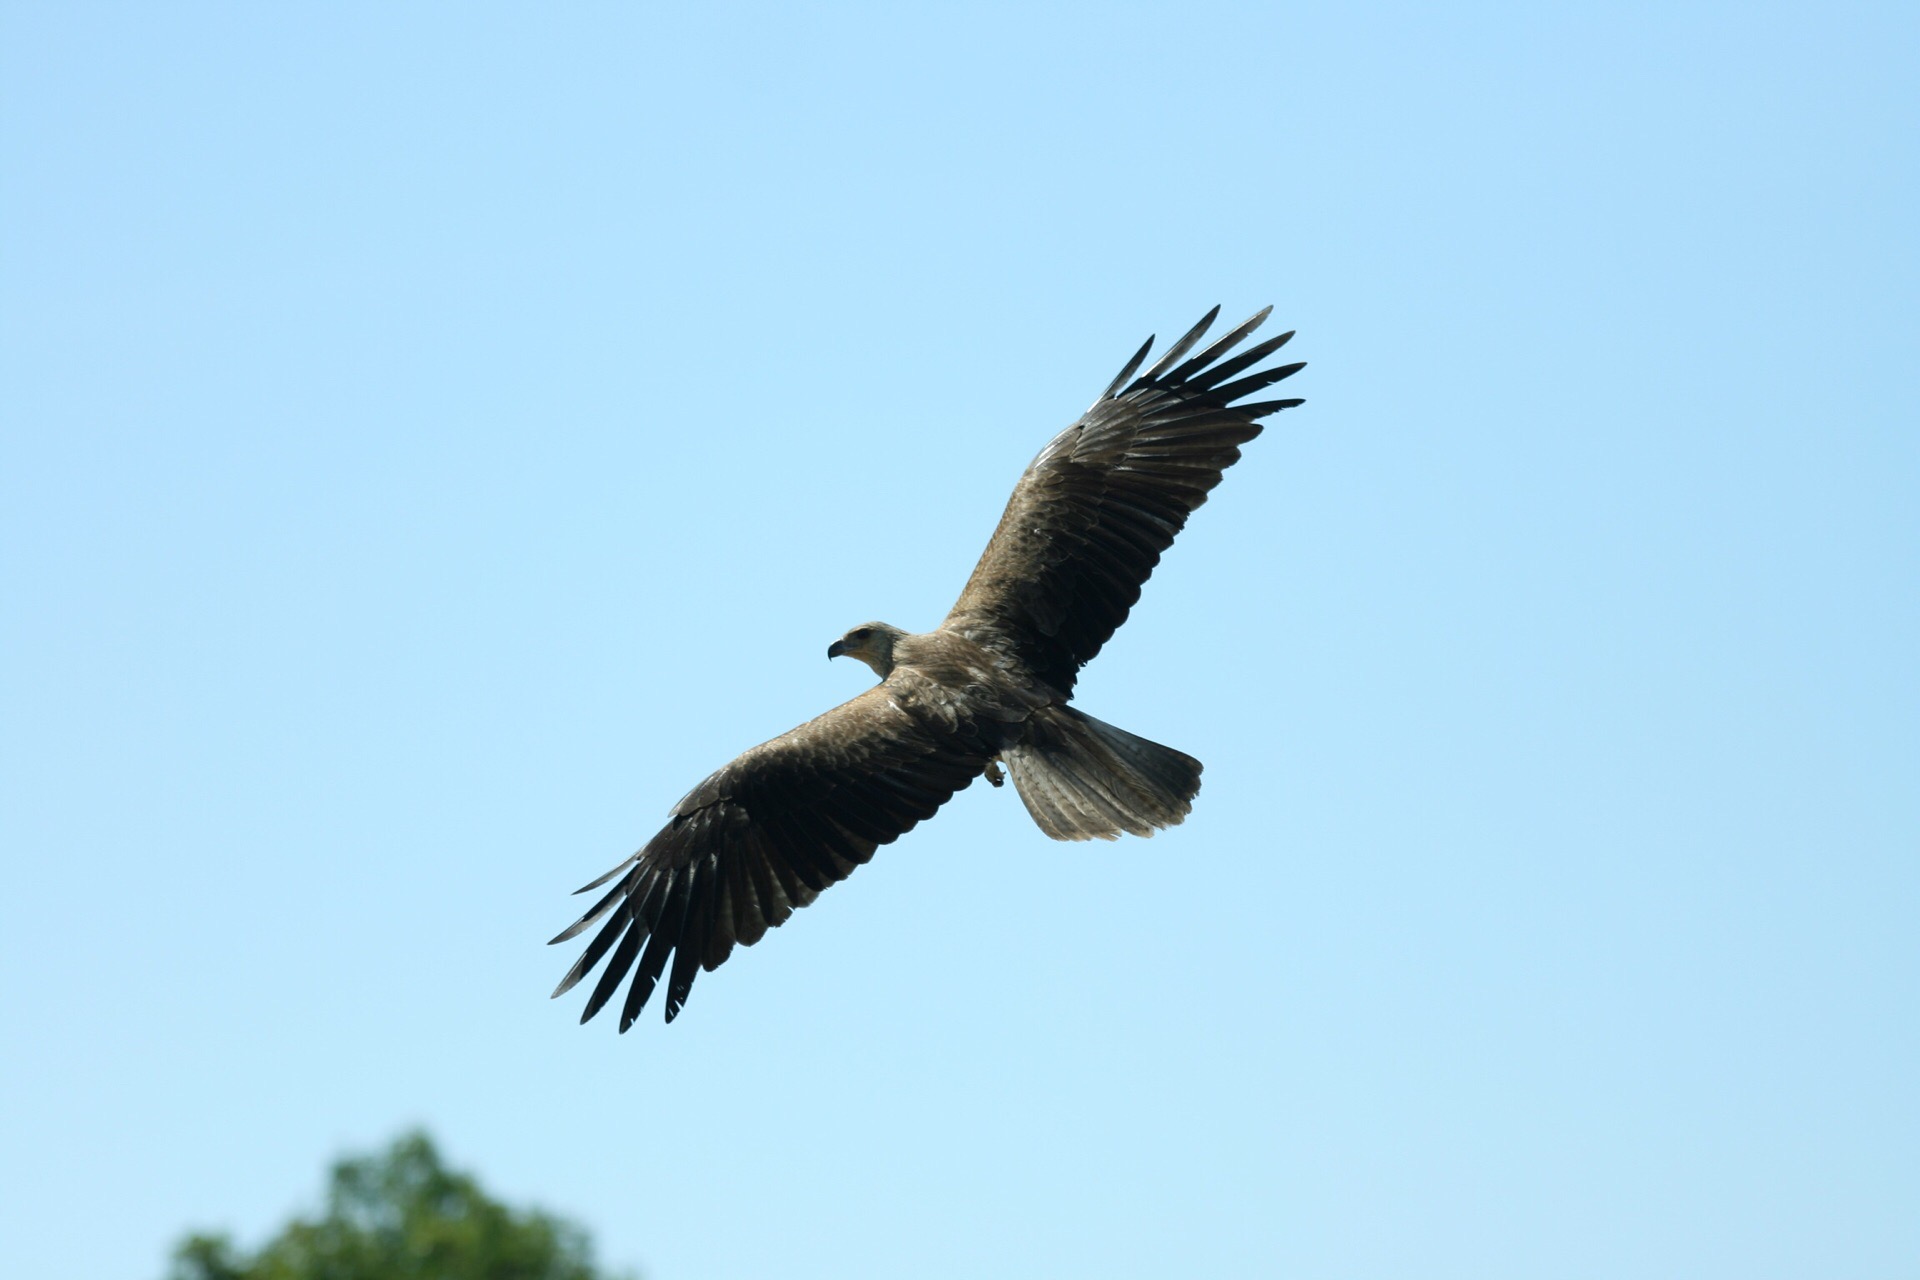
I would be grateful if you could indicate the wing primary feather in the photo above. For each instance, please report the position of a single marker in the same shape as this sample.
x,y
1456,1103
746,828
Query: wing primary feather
x,y
633,916
702,902
654,962
1227,368
591,885
1221,345
591,956
616,968
1120,379
1183,346
1261,408
594,912
1257,381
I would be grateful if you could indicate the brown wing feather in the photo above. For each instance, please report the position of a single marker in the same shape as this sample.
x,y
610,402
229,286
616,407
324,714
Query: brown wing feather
x,y
766,835
1090,517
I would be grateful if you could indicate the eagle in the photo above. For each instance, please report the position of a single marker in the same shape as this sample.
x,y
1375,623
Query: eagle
x,y
986,692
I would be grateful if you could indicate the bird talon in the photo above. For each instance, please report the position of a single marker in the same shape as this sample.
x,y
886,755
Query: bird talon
x,y
994,775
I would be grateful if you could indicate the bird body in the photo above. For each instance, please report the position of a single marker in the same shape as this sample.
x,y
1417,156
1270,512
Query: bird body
x,y
989,687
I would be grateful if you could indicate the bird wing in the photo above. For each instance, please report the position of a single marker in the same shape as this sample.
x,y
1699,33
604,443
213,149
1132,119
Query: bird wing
x,y
768,833
1089,518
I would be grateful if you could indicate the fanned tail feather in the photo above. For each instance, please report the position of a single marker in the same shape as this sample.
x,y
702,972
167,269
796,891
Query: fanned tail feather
x,y
1083,779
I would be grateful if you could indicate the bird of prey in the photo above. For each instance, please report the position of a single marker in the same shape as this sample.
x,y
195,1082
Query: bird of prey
x,y
988,687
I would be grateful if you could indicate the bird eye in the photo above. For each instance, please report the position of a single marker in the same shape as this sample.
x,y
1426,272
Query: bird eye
x,y
861,633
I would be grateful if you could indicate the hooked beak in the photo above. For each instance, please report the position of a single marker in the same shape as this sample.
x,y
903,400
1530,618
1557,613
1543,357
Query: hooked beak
x,y
837,648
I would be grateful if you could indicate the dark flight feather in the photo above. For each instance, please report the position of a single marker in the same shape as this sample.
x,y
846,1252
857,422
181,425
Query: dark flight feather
x,y
1213,377
1181,347
1120,379
1223,344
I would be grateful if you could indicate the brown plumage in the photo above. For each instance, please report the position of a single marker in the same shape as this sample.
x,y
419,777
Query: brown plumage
x,y
1085,527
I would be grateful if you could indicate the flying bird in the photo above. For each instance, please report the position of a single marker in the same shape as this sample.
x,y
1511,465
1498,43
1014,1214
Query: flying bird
x,y
989,687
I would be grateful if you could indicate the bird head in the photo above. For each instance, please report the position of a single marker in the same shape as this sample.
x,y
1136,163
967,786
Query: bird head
x,y
872,643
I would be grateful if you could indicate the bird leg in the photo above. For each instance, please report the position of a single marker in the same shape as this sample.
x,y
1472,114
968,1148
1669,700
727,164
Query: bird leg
x,y
994,775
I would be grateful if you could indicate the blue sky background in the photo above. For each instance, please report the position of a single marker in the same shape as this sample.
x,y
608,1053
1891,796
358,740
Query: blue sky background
x,y
436,436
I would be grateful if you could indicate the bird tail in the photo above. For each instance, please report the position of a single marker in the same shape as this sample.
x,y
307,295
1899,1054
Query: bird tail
x,y
1082,778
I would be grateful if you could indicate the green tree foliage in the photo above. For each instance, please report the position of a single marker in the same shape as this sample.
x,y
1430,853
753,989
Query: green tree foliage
x,y
402,1215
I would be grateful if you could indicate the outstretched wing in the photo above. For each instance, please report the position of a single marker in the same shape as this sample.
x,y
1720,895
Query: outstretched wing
x,y
766,835
1089,519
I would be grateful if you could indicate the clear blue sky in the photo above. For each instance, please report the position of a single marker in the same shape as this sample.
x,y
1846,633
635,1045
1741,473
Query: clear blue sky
x,y
436,436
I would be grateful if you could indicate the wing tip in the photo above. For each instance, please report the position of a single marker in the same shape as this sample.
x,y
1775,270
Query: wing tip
x,y
1184,345
1261,408
1126,370
597,881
